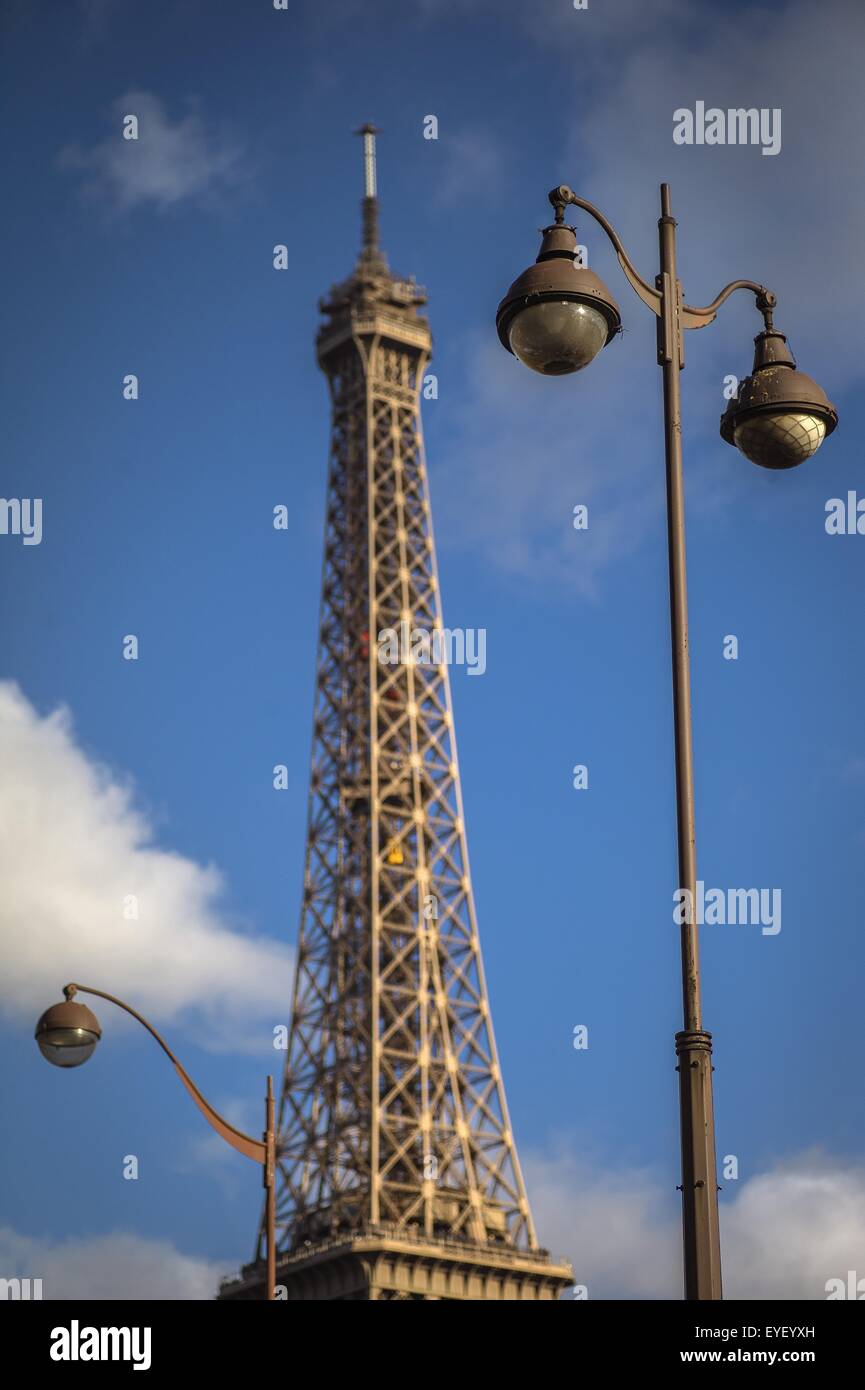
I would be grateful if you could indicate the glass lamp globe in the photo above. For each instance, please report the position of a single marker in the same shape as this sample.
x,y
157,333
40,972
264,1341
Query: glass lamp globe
x,y
555,337
67,1034
780,441
557,315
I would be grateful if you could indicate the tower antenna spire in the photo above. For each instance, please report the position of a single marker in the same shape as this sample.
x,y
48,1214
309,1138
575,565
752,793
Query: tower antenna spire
x,y
370,201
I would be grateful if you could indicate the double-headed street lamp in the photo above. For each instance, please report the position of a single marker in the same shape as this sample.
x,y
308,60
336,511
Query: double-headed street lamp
x,y
67,1034
555,318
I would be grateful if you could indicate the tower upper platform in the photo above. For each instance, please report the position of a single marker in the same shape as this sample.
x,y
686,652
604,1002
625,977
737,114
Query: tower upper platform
x,y
372,300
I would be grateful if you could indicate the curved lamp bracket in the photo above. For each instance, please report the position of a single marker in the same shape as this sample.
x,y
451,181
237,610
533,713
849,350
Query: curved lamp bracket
x,y
698,318
690,317
562,196
243,1143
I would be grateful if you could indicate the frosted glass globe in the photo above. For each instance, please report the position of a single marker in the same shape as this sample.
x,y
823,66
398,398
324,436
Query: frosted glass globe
x,y
780,441
557,336
67,1047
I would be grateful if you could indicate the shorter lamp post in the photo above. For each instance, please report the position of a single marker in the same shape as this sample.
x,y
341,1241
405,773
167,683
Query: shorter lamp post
x,y
556,317
67,1035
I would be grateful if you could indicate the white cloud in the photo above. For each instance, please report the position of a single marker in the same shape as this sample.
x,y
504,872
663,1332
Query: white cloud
x,y
791,1229
170,162
525,450
73,847
795,220
615,1226
117,1266
784,1232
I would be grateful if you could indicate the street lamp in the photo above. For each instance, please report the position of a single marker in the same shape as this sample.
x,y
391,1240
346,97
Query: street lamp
x,y
555,318
67,1035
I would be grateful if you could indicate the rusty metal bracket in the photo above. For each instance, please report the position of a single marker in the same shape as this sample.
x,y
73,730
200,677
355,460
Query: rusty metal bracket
x,y
690,316
561,196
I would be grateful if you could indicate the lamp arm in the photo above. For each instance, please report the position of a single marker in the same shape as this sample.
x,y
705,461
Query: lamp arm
x,y
691,317
766,302
562,196
243,1143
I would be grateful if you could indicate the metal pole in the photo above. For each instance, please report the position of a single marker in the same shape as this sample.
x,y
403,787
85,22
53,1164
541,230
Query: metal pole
x,y
700,1232
270,1189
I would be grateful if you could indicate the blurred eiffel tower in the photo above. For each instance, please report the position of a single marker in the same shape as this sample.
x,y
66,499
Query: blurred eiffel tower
x,y
397,1175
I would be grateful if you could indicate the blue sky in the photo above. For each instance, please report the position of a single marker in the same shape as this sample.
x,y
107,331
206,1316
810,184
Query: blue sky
x,y
157,521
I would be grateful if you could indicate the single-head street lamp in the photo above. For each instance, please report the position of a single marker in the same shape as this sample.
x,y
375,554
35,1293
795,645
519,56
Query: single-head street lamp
x,y
67,1034
556,317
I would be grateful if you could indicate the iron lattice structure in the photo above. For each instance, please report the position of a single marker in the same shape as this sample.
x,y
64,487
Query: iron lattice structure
x,y
397,1173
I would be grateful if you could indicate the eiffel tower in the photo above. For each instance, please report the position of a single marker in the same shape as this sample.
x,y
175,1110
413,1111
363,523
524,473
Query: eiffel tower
x,y
397,1174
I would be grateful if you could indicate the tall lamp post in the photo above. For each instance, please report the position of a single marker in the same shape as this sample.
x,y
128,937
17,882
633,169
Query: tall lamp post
x,y
555,318
67,1034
